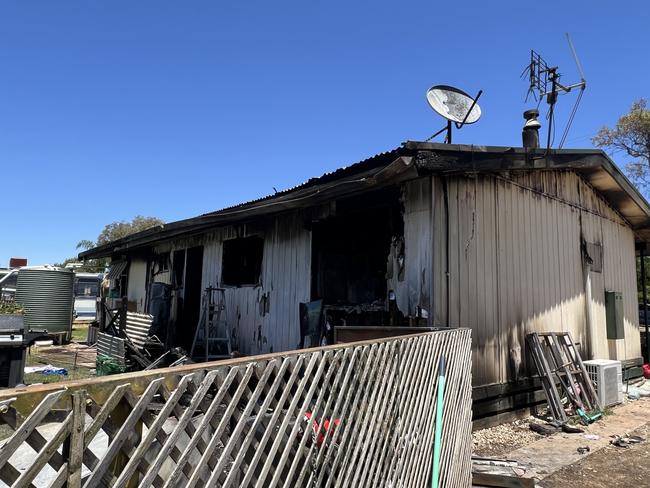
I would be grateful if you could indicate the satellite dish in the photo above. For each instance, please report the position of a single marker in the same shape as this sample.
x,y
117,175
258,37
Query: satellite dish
x,y
453,104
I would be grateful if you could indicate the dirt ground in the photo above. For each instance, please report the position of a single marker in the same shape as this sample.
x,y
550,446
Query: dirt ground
x,y
610,466
555,461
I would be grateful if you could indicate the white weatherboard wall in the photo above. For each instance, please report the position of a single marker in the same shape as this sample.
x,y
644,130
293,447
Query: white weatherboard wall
x,y
515,266
285,282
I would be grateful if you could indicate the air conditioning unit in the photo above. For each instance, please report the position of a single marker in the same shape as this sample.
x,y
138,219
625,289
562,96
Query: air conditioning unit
x,y
607,377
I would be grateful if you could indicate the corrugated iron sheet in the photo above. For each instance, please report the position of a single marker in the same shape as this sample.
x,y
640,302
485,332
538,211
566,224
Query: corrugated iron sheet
x,y
364,165
116,270
110,346
593,165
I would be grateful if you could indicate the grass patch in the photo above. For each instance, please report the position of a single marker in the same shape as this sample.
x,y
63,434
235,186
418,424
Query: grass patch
x,y
77,374
57,359
80,333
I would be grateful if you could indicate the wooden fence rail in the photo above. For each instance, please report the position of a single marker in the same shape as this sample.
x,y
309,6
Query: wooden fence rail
x,y
352,415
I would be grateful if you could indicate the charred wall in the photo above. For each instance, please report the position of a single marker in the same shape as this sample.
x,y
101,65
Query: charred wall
x,y
515,266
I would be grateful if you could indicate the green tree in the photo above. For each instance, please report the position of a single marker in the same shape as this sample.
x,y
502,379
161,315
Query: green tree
x,y
632,136
118,230
110,232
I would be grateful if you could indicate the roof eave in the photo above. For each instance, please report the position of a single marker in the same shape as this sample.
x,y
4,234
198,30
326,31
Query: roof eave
x,y
593,164
397,170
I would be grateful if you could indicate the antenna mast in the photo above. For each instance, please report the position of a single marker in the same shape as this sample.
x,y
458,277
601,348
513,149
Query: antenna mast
x,y
544,81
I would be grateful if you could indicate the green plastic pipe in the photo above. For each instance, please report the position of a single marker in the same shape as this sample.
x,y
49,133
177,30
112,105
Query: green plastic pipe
x,y
437,438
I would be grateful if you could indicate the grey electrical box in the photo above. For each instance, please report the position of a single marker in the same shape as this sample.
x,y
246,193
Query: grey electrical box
x,y
614,315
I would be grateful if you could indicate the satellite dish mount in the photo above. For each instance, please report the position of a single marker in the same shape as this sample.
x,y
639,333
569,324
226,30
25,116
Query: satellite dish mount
x,y
454,105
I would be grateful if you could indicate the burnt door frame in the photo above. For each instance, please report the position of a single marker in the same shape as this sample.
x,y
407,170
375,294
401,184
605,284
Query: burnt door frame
x,y
192,294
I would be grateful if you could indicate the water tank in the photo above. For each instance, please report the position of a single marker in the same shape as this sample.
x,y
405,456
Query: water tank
x,y
45,292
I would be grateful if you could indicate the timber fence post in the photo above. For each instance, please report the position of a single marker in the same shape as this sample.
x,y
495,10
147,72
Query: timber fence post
x,y
76,443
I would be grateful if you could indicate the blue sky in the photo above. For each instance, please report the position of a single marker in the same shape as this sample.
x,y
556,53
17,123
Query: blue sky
x,y
172,109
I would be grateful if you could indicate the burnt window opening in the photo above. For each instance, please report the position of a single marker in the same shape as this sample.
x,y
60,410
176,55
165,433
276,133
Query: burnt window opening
x,y
162,262
242,261
350,251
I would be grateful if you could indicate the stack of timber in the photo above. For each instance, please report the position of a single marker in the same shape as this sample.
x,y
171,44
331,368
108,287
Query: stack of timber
x,y
358,414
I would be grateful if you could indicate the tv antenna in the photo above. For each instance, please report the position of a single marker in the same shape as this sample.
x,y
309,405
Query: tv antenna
x,y
454,105
545,82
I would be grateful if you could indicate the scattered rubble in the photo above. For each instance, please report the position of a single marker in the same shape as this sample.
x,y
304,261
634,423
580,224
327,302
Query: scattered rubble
x,y
626,441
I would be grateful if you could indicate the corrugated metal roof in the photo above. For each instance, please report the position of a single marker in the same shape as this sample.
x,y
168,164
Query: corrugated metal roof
x,y
277,200
324,178
592,164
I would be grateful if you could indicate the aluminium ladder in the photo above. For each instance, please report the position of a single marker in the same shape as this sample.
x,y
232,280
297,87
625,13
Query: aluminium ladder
x,y
212,337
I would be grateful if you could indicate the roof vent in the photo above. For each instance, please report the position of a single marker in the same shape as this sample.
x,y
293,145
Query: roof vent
x,y
530,133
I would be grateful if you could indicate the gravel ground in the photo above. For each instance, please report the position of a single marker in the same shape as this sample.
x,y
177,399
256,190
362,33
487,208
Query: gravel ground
x,y
498,441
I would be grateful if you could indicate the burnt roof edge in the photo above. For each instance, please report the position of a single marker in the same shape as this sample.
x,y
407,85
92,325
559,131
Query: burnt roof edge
x,y
393,166
429,158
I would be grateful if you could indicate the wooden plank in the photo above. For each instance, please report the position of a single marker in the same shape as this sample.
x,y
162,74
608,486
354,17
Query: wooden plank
x,y
152,431
77,443
8,447
376,431
236,432
413,369
106,409
342,398
343,334
202,465
101,387
270,394
61,477
206,384
126,430
288,441
501,481
44,455
271,425
335,366
376,357
35,440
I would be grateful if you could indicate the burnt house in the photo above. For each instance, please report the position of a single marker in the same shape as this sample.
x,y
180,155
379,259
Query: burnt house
x,y
502,240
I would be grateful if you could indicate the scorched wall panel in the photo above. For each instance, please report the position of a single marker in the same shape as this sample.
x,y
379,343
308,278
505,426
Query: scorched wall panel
x,y
265,318
515,266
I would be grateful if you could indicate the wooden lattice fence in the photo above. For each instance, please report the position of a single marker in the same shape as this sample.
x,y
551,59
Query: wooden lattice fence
x,y
341,416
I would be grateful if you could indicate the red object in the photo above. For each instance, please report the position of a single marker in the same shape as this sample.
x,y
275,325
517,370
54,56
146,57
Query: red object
x,y
319,433
646,370
17,262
